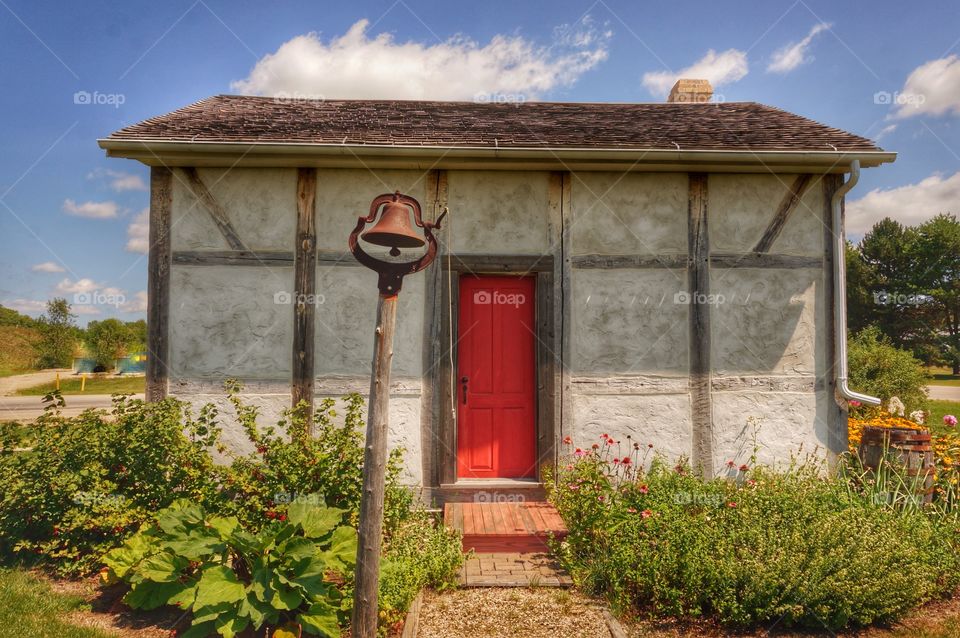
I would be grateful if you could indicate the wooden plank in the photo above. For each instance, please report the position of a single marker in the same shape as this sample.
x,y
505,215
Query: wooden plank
x,y
234,258
521,264
216,211
629,261
449,303
501,517
430,418
784,210
699,316
457,516
566,424
305,288
546,372
337,258
158,283
763,260
528,520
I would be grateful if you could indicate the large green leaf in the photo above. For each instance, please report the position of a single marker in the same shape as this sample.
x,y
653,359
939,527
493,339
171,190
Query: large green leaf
x,y
218,584
228,625
164,567
285,597
297,549
201,630
151,595
224,525
195,544
179,517
316,520
320,620
343,548
122,559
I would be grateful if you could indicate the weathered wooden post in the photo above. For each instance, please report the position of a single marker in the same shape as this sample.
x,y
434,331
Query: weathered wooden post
x,y
393,230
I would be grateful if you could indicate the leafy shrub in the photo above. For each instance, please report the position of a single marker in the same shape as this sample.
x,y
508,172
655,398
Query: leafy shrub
x,y
291,459
91,480
880,369
231,579
792,546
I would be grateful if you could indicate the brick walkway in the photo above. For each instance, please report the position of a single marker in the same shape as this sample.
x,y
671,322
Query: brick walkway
x,y
513,570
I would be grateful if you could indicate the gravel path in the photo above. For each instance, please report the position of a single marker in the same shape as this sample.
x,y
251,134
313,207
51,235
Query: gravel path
x,y
9,385
511,613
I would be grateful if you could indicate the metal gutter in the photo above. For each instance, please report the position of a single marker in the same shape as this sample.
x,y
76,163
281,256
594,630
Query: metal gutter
x,y
840,289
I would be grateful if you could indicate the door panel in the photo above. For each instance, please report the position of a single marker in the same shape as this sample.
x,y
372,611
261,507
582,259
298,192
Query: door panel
x,y
496,406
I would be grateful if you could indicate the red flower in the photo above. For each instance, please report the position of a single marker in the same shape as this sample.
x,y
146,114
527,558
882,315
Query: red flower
x,y
616,461
631,510
731,464
732,504
282,517
626,460
744,468
644,489
604,436
271,514
567,440
646,513
596,446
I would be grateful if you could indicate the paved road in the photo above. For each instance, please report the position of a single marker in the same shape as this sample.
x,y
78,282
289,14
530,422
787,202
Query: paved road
x,y
9,385
944,392
27,408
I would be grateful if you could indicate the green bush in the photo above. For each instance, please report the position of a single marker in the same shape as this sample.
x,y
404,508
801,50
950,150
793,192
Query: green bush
x,y
90,481
790,547
880,369
230,579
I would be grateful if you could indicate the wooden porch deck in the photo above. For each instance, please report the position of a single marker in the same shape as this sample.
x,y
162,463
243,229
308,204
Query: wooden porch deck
x,y
505,527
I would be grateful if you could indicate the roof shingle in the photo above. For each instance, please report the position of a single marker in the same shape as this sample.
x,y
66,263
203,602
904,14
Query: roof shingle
x,y
670,126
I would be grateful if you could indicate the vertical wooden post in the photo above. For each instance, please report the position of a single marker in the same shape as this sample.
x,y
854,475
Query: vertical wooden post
x,y
305,282
158,282
699,284
367,578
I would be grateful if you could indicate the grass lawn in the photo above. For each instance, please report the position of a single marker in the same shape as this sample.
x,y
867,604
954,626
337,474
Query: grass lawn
x,y
71,385
942,376
28,607
937,410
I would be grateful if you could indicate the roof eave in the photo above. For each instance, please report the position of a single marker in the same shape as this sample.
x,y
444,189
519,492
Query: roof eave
x,y
164,152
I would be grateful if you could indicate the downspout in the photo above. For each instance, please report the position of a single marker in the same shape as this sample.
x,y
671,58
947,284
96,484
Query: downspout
x,y
840,289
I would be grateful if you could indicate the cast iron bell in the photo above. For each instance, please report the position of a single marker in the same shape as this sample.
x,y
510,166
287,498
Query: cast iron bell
x,y
393,229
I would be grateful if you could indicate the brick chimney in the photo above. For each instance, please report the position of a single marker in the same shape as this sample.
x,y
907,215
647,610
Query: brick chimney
x,y
691,91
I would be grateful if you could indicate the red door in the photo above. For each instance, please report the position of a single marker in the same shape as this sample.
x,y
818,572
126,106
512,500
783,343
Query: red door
x,y
496,378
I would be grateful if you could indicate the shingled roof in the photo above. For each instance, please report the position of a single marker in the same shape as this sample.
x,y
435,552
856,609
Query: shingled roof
x,y
731,126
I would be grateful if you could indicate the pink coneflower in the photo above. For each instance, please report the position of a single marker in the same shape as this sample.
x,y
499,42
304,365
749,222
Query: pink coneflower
x,y
950,420
646,513
578,452
596,446
732,504
731,464
744,468
643,489
626,460
616,461
854,403
567,440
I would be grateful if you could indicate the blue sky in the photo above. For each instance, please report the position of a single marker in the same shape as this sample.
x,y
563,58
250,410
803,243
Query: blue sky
x,y
71,220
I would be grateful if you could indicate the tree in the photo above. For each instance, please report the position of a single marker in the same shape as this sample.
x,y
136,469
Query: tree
x,y
935,273
59,335
879,368
109,340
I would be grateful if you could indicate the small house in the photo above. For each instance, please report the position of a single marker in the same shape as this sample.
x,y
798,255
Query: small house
x,y
666,274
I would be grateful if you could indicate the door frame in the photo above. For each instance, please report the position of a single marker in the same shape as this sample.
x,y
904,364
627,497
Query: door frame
x,y
547,354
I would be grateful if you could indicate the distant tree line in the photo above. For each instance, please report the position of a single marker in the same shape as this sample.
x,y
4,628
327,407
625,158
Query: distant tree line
x,y
905,282
60,338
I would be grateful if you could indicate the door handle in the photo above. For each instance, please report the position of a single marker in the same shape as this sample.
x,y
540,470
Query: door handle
x,y
465,381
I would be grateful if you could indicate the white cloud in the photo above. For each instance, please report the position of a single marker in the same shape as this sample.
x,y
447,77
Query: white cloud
x,y
137,304
720,68
910,204
84,309
932,88
47,266
69,286
119,181
792,55
886,130
138,233
355,65
26,305
93,210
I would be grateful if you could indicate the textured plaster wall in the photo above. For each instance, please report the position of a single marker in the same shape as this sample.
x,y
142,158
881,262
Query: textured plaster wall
x,y
224,322
261,203
633,213
498,212
741,207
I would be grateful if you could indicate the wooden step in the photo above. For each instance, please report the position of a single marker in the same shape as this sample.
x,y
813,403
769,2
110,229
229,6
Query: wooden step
x,y
505,527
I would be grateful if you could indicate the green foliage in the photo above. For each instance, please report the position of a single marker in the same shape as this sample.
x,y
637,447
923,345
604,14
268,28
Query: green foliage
x,y
91,480
29,607
10,317
754,548
109,340
59,335
231,579
880,369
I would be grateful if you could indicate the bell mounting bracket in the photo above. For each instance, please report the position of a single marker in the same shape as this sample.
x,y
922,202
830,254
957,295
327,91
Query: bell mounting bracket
x,y
391,273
